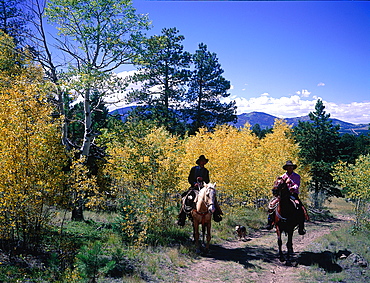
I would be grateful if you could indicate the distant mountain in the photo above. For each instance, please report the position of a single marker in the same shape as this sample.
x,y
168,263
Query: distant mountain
x,y
266,121
122,111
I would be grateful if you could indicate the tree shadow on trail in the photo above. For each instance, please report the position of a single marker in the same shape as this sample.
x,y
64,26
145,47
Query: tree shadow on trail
x,y
242,256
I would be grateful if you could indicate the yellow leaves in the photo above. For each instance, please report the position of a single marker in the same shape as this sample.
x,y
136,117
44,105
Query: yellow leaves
x,y
243,166
32,155
151,169
355,178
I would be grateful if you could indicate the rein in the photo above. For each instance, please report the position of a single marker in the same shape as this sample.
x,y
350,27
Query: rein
x,y
280,217
279,202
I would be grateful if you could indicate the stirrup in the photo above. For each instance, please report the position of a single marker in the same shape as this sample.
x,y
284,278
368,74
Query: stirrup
x,y
187,209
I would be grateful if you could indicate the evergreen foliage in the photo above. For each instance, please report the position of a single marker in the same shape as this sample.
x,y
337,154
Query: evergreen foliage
x,y
206,87
163,70
178,90
351,147
318,142
261,133
13,19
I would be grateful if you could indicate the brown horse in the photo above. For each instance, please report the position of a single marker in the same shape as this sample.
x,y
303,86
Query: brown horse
x,y
287,216
202,214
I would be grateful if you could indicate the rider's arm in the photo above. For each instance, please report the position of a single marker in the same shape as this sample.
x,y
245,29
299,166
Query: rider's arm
x,y
206,176
192,179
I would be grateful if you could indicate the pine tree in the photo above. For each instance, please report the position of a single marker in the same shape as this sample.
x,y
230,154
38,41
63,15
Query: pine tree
x,y
318,141
163,70
13,19
206,88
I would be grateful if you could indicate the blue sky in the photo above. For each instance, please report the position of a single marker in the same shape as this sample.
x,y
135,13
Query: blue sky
x,y
280,56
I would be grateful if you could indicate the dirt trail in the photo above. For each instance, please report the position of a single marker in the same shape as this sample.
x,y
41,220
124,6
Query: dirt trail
x,y
254,260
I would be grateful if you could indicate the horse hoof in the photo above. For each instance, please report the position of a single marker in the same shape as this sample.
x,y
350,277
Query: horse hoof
x,y
282,258
288,263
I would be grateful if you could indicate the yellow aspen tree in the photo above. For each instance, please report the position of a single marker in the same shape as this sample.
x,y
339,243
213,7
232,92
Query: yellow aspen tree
x,y
355,182
145,176
32,157
243,166
277,148
230,152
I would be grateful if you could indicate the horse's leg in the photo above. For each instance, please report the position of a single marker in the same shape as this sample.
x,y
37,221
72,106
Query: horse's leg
x,y
289,243
203,233
196,235
289,246
280,243
209,236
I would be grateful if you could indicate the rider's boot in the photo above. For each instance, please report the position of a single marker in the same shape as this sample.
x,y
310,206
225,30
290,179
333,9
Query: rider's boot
x,y
301,230
270,221
181,218
218,212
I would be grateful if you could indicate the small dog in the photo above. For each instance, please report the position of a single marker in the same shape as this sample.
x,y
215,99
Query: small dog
x,y
240,232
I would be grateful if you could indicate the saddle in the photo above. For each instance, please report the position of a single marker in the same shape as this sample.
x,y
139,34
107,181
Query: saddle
x,y
273,204
189,199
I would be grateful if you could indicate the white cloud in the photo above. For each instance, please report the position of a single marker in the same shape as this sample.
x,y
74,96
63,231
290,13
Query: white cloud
x,y
303,93
295,106
321,84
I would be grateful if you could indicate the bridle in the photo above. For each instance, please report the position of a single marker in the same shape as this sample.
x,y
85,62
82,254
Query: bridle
x,y
207,205
207,195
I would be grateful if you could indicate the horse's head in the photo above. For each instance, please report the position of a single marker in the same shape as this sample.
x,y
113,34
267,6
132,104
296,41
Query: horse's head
x,y
208,196
280,188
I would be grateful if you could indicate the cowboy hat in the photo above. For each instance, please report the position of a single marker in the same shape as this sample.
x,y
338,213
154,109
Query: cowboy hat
x,y
289,163
201,158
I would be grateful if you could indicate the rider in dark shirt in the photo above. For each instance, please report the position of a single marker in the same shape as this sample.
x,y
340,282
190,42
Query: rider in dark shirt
x,y
199,174
197,177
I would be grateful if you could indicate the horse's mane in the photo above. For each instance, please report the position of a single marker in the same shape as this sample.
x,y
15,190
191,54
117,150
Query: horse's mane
x,y
201,195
